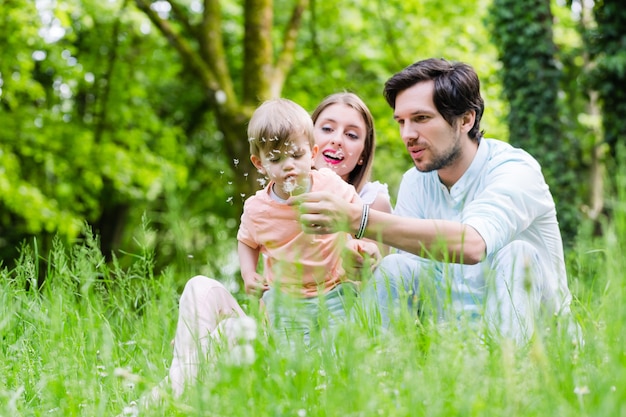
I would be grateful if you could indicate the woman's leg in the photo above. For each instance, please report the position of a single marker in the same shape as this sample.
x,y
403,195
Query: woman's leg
x,y
204,303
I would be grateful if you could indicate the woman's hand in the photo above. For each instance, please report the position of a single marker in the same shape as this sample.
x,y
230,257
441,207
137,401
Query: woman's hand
x,y
323,212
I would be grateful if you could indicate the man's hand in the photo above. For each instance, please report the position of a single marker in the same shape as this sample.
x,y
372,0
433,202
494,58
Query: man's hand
x,y
323,212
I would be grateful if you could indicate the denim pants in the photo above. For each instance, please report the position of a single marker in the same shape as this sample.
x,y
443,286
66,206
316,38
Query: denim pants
x,y
505,292
295,319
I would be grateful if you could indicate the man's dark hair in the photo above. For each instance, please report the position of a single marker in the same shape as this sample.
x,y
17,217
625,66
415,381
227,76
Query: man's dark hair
x,y
457,89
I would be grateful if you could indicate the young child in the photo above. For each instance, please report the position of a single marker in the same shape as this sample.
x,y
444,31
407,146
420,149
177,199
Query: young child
x,y
303,274
304,285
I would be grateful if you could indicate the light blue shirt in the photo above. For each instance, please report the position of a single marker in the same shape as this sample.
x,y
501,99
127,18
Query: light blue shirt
x,y
504,196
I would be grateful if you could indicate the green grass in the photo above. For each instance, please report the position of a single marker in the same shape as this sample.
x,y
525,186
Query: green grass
x,y
96,336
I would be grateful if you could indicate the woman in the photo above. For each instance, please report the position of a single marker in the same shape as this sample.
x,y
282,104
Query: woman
x,y
344,132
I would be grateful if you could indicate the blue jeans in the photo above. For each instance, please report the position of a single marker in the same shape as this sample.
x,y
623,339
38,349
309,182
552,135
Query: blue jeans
x,y
507,290
294,318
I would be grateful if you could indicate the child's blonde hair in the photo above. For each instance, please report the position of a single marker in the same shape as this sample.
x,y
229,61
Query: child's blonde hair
x,y
275,122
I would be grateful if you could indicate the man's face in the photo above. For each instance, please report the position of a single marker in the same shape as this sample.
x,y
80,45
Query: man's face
x,y
431,142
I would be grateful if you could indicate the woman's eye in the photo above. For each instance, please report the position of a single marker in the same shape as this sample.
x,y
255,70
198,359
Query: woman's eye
x,y
352,135
326,129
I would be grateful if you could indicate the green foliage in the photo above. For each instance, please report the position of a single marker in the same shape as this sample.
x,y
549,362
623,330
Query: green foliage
x,y
358,46
531,78
607,46
96,336
82,129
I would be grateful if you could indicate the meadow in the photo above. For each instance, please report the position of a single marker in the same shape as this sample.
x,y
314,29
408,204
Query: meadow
x,y
96,336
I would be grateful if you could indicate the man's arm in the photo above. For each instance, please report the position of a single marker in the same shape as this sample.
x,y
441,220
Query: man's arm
x,y
444,240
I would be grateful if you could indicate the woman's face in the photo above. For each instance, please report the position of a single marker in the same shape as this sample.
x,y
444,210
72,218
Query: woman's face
x,y
340,133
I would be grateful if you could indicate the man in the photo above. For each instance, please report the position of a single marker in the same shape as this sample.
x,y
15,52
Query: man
x,y
474,220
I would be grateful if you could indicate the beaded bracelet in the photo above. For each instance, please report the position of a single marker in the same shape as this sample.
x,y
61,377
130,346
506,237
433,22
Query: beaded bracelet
x,y
363,225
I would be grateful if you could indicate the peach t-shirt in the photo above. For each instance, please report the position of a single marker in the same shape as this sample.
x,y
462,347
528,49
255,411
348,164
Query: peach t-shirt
x,y
293,259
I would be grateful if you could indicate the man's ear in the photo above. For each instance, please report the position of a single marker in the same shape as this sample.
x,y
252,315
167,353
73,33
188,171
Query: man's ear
x,y
256,161
468,120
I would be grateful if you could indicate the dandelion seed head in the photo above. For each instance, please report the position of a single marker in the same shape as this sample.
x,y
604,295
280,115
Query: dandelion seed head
x,y
290,185
131,410
241,355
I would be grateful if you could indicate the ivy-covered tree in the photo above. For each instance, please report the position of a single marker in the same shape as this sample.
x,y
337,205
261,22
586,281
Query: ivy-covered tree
x,y
522,31
607,47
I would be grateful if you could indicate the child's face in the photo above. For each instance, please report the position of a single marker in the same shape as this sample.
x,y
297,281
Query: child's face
x,y
289,167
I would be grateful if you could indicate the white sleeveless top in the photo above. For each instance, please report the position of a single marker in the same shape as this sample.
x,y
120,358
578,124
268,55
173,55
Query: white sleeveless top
x,y
371,189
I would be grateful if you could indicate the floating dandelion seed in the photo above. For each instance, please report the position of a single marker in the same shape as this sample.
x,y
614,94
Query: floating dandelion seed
x,y
243,195
220,97
229,200
221,172
245,174
301,412
262,182
236,162
230,183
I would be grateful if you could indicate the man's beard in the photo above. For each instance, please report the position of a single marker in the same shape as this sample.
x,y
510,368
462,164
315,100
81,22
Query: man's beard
x,y
445,159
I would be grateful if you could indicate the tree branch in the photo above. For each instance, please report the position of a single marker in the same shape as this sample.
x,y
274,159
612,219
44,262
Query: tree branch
x,y
286,57
213,50
181,16
258,50
191,59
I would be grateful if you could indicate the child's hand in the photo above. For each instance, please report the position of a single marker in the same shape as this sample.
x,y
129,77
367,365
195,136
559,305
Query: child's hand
x,y
255,285
360,257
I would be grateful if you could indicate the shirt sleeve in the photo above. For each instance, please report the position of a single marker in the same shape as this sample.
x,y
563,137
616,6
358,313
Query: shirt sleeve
x,y
514,196
373,189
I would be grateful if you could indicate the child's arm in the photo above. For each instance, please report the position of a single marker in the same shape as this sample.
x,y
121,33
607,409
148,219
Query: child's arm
x,y
248,260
